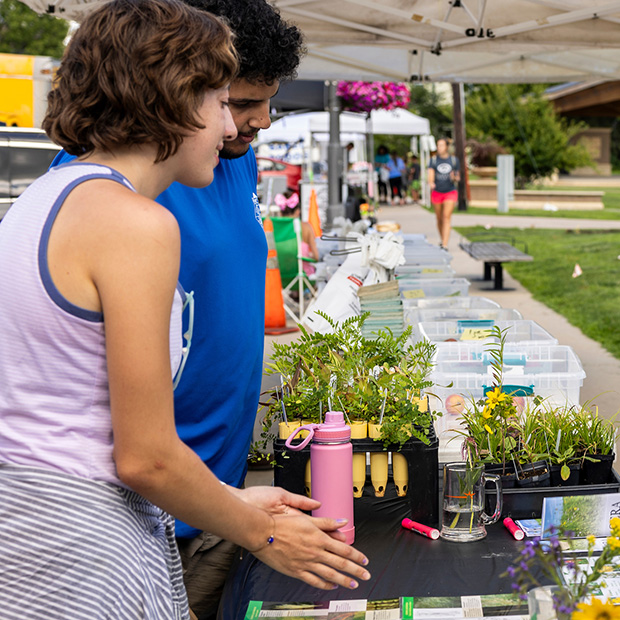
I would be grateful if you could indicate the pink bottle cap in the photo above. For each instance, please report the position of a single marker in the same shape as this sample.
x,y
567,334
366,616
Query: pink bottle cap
x,y
333,429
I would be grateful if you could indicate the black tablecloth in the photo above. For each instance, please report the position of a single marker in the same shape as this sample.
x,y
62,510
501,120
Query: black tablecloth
x,y
402,563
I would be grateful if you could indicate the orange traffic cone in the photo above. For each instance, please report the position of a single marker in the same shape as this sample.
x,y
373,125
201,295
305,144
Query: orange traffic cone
x,y
313,215
275,318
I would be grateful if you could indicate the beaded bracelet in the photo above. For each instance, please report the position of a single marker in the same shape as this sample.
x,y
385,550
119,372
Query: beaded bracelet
x,y
271,538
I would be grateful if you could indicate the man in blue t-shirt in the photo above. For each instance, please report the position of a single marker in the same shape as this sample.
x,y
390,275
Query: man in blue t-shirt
x,y
223,260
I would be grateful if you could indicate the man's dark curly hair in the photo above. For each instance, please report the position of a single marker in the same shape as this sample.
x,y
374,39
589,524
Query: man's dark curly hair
x,y
269,48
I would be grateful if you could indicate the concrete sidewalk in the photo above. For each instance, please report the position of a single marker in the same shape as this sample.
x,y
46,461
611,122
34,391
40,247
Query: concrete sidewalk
x,y
602,369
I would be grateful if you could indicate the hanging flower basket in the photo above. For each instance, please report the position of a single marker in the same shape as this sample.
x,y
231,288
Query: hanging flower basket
x,y
368,96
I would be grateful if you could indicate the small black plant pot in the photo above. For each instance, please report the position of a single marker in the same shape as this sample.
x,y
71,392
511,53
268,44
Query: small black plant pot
x,y
533,475
572,480
508,477
599,471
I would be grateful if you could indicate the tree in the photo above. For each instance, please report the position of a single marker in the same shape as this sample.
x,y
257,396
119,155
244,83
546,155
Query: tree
x,y
22,31
427,102
519,118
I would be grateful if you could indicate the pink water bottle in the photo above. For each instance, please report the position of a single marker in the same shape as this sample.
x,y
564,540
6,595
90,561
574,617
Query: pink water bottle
x,y
331,468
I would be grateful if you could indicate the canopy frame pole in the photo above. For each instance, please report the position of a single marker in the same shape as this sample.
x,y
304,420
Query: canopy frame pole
x,y
335,207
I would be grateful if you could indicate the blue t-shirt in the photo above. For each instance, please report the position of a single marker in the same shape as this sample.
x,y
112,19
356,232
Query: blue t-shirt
x,y
396,168
223,260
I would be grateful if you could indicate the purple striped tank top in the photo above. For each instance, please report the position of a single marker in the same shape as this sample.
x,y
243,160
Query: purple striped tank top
x,y
54,396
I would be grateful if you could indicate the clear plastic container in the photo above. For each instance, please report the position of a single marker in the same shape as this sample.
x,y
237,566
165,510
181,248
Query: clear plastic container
x,y
464,302
414,239
411,288
421,255
417,315
551,371
440,270
450,332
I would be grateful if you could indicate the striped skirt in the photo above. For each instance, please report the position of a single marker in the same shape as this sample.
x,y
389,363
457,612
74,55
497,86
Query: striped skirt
x,y
75,549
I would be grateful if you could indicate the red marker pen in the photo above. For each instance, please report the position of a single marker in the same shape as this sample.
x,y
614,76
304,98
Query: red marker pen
x,y
425,530
513,528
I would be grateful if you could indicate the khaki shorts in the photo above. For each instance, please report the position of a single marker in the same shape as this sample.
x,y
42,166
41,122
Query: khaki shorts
x,y
206,562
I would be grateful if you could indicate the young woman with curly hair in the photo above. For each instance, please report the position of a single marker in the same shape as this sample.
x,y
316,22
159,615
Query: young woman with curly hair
x,y
91,465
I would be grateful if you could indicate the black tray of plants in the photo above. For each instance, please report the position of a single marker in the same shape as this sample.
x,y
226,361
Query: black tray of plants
x,y
527,502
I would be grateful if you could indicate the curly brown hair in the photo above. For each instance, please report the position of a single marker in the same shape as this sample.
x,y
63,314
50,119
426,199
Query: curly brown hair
x,y
269,48
136,72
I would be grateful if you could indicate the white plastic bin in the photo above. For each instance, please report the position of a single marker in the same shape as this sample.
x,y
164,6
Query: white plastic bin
x,y
450,332
413,238
420,255
551,371
440,270
433,287
464,302
417,315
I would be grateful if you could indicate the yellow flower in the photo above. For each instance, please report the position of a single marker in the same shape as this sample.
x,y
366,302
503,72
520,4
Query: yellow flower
x,y
596,610
486,413
615,526
614,543
488,429
591,539
495,398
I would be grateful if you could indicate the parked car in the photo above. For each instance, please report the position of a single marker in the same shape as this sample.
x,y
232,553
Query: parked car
x,y
267,166
25,154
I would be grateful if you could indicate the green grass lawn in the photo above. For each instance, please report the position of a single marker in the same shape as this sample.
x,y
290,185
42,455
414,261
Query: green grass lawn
x,y
611,200
591,302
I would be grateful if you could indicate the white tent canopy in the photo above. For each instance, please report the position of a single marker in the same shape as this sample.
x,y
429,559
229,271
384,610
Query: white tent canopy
x,y
458,40
296,127
67,9
444,40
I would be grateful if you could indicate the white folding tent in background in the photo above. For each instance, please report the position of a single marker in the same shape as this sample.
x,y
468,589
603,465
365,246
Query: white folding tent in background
x,y
475,41
297,126
311,127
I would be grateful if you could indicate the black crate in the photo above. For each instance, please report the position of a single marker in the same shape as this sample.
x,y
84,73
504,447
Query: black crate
x,y
422,462
526,503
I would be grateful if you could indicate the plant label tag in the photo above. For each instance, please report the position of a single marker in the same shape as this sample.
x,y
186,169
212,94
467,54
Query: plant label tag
x,y
471,333
415,293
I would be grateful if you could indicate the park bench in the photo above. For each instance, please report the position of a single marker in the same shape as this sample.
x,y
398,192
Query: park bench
x,y
493,254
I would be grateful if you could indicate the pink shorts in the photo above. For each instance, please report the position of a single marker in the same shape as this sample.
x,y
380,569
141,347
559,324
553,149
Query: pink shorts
x,y
438,198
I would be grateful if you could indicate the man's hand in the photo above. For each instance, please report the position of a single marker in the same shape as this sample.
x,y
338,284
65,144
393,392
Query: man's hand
x,y
276,500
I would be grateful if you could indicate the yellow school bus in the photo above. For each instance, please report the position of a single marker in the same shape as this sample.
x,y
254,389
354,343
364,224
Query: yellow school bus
x,y
25,82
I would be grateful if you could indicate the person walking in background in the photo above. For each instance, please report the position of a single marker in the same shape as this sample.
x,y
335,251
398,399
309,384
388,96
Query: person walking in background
x,y
381,161
91,464
396,167
414,178
443,174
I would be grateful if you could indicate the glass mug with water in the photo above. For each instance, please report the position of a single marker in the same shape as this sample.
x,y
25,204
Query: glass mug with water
x,y
463,502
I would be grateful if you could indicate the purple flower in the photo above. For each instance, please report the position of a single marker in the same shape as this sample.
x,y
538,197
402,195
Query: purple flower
x,y
511,571
528,550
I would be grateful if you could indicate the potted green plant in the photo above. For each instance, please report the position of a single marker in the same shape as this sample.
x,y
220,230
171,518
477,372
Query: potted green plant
x,y
491,425
597,439
532,466
560,429
370,379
